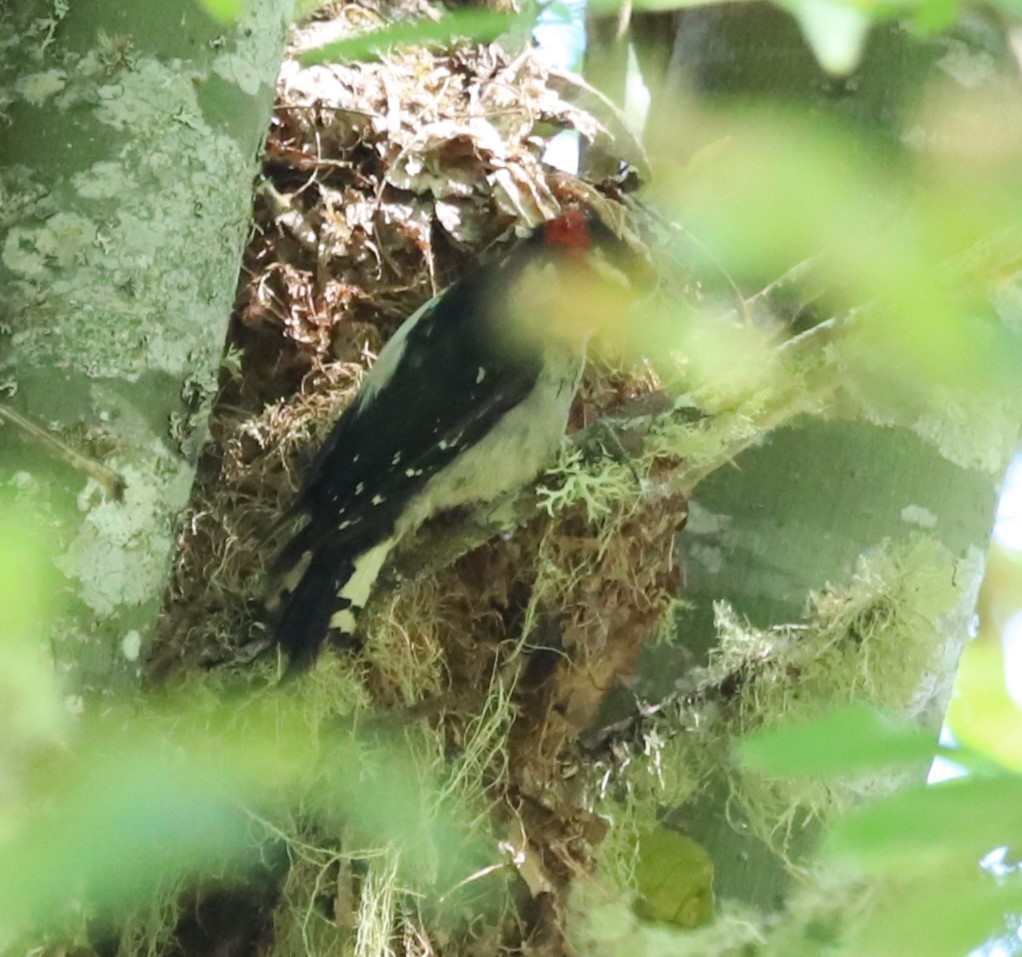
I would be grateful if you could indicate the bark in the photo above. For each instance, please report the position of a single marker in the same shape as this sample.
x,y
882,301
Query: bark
x,y
130,140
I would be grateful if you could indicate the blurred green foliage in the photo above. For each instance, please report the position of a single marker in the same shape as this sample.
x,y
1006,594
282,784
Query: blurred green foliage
x,y
848,740
983,714
107,808
916,249
916,253
922,845
481,25
224,11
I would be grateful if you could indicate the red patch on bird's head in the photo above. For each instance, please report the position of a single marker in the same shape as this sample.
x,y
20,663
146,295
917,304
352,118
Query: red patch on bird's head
x,y
570,230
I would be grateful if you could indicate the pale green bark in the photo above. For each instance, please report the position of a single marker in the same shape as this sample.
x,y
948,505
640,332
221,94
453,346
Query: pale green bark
x,y
131,138
792,517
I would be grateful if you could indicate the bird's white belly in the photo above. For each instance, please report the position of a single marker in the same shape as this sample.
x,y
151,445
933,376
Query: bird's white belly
x,y
509,456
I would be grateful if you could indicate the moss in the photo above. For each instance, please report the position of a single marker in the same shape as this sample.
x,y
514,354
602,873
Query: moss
x,y
880,640
337,901
403,647
599,490
877,640
147,931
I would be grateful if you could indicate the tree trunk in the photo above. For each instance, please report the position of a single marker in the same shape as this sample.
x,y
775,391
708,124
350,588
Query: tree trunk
x,y
131,142
802,511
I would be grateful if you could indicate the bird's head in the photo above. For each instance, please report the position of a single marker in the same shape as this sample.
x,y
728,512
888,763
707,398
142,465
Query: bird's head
x,y
582,277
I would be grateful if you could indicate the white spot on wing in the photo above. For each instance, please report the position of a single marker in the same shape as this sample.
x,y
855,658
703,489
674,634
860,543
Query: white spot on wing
x,y
480,375
296,572
343,621
508,456
289,581
451,443
367,569
378,500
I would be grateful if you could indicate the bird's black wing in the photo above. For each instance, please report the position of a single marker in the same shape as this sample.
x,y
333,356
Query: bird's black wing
x,y
441,395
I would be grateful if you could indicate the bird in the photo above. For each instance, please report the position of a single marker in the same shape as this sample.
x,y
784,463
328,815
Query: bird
x,y
467,402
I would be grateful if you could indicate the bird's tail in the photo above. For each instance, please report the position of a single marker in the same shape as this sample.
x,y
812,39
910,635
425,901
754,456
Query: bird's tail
x,y
301,618
333,585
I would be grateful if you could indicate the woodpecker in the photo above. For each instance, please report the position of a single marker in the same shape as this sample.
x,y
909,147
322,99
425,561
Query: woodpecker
x,y
467,402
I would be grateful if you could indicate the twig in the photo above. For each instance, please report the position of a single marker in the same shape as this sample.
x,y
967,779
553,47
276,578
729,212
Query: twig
x,y
802,274
112,483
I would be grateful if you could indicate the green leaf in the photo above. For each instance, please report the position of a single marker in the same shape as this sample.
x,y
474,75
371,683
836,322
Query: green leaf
x,y
140,801
933,16
675,879
224,11
836,31
480,25
950,914
846,741
114,824
928,829
32,711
